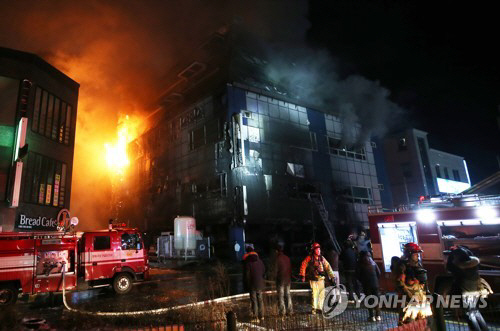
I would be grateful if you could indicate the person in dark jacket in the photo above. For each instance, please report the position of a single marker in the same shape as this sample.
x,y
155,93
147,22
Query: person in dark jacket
x,y
254,279
368,274
332,257
283,281
464,267
349,263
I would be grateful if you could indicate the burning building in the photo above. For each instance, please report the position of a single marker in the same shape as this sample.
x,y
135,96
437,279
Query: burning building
x,y
37,134
246,157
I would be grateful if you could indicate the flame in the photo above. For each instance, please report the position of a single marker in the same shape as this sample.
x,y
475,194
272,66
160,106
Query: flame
x,y
116,154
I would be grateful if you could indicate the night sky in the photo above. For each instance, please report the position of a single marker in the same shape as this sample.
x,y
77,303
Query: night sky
x,y
439,60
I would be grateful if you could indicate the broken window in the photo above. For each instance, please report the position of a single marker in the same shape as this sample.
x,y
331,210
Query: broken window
x,y
336,147
197,138
296,170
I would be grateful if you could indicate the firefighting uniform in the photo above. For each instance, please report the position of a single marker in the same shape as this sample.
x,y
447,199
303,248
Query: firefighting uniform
x,y
318,266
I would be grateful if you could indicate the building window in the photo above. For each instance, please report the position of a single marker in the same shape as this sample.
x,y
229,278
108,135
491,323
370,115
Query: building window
x,y
381,187
336,147
406,170
359,194
456,175
446,174
45,181
51,117
374,144
296,170
438,171
402,144
102,243
197,138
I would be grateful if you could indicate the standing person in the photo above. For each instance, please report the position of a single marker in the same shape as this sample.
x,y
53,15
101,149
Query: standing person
x,y
283,281
332,257
464,267
316,267
363,244
368,273
254,280
349,263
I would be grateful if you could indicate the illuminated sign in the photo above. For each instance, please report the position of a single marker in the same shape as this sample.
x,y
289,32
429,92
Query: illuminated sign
x,y
36,223
451,186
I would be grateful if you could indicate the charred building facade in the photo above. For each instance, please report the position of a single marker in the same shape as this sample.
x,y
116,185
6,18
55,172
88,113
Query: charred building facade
x,y
248,161
37,135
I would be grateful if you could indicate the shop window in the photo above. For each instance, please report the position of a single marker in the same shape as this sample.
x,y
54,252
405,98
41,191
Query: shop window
x,y
102,243
51,116
45,181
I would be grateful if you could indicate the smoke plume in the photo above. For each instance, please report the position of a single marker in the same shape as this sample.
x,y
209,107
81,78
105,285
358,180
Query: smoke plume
x,y
312,76
119,52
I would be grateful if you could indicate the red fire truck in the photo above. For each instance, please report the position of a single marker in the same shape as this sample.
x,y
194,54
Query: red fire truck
x,y
437,224
33,262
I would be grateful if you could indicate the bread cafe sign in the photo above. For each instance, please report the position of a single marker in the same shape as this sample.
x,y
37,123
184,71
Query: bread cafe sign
x,y
41,223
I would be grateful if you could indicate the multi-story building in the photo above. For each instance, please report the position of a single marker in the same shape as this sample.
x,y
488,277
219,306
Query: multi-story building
x,y
245,158
415,170
37,135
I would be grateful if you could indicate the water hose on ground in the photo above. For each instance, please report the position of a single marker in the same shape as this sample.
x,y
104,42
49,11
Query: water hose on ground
x,y
160,310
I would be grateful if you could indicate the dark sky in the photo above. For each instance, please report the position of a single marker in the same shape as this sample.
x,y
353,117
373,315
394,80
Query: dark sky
x,y
439,60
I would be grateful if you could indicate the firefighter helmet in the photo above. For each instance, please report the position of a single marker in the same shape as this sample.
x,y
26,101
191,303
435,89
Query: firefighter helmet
x,y
315,245
411,248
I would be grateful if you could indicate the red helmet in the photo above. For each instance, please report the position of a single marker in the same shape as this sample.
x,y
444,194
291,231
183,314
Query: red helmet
x,y
314,246
412,248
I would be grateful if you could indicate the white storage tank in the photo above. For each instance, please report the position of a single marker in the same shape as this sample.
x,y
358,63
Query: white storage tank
x,y
184,233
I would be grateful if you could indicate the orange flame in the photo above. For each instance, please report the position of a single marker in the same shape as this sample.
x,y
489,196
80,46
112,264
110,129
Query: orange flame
x,y
116,154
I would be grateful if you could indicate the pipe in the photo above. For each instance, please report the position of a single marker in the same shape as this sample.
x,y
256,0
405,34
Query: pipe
x,y
161,310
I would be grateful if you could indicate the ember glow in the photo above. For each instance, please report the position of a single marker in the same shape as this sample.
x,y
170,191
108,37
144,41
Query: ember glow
x,y
116,153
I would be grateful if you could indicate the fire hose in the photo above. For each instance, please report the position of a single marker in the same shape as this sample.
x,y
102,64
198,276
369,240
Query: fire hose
x,y
160,310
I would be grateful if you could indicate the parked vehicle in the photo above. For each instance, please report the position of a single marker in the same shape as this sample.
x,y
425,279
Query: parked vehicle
x,y
35,262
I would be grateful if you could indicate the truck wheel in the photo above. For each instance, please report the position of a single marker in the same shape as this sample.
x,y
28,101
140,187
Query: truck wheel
x,y
8,295
122,283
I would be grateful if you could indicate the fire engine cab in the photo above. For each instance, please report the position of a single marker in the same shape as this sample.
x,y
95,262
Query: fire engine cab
x,y
437,225
35,262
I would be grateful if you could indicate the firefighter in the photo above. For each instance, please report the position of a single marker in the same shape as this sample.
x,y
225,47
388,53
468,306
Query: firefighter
x,y
467,283
411,283
314,268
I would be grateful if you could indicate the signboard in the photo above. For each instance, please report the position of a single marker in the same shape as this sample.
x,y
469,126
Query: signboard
x,y
36,223
43,223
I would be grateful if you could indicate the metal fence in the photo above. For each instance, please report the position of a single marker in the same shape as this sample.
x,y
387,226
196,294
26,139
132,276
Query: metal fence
x,y
352,318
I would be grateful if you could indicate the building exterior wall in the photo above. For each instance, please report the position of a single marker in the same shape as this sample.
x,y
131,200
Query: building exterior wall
x,y
408,165
450,172
244,158
51,120
412,167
